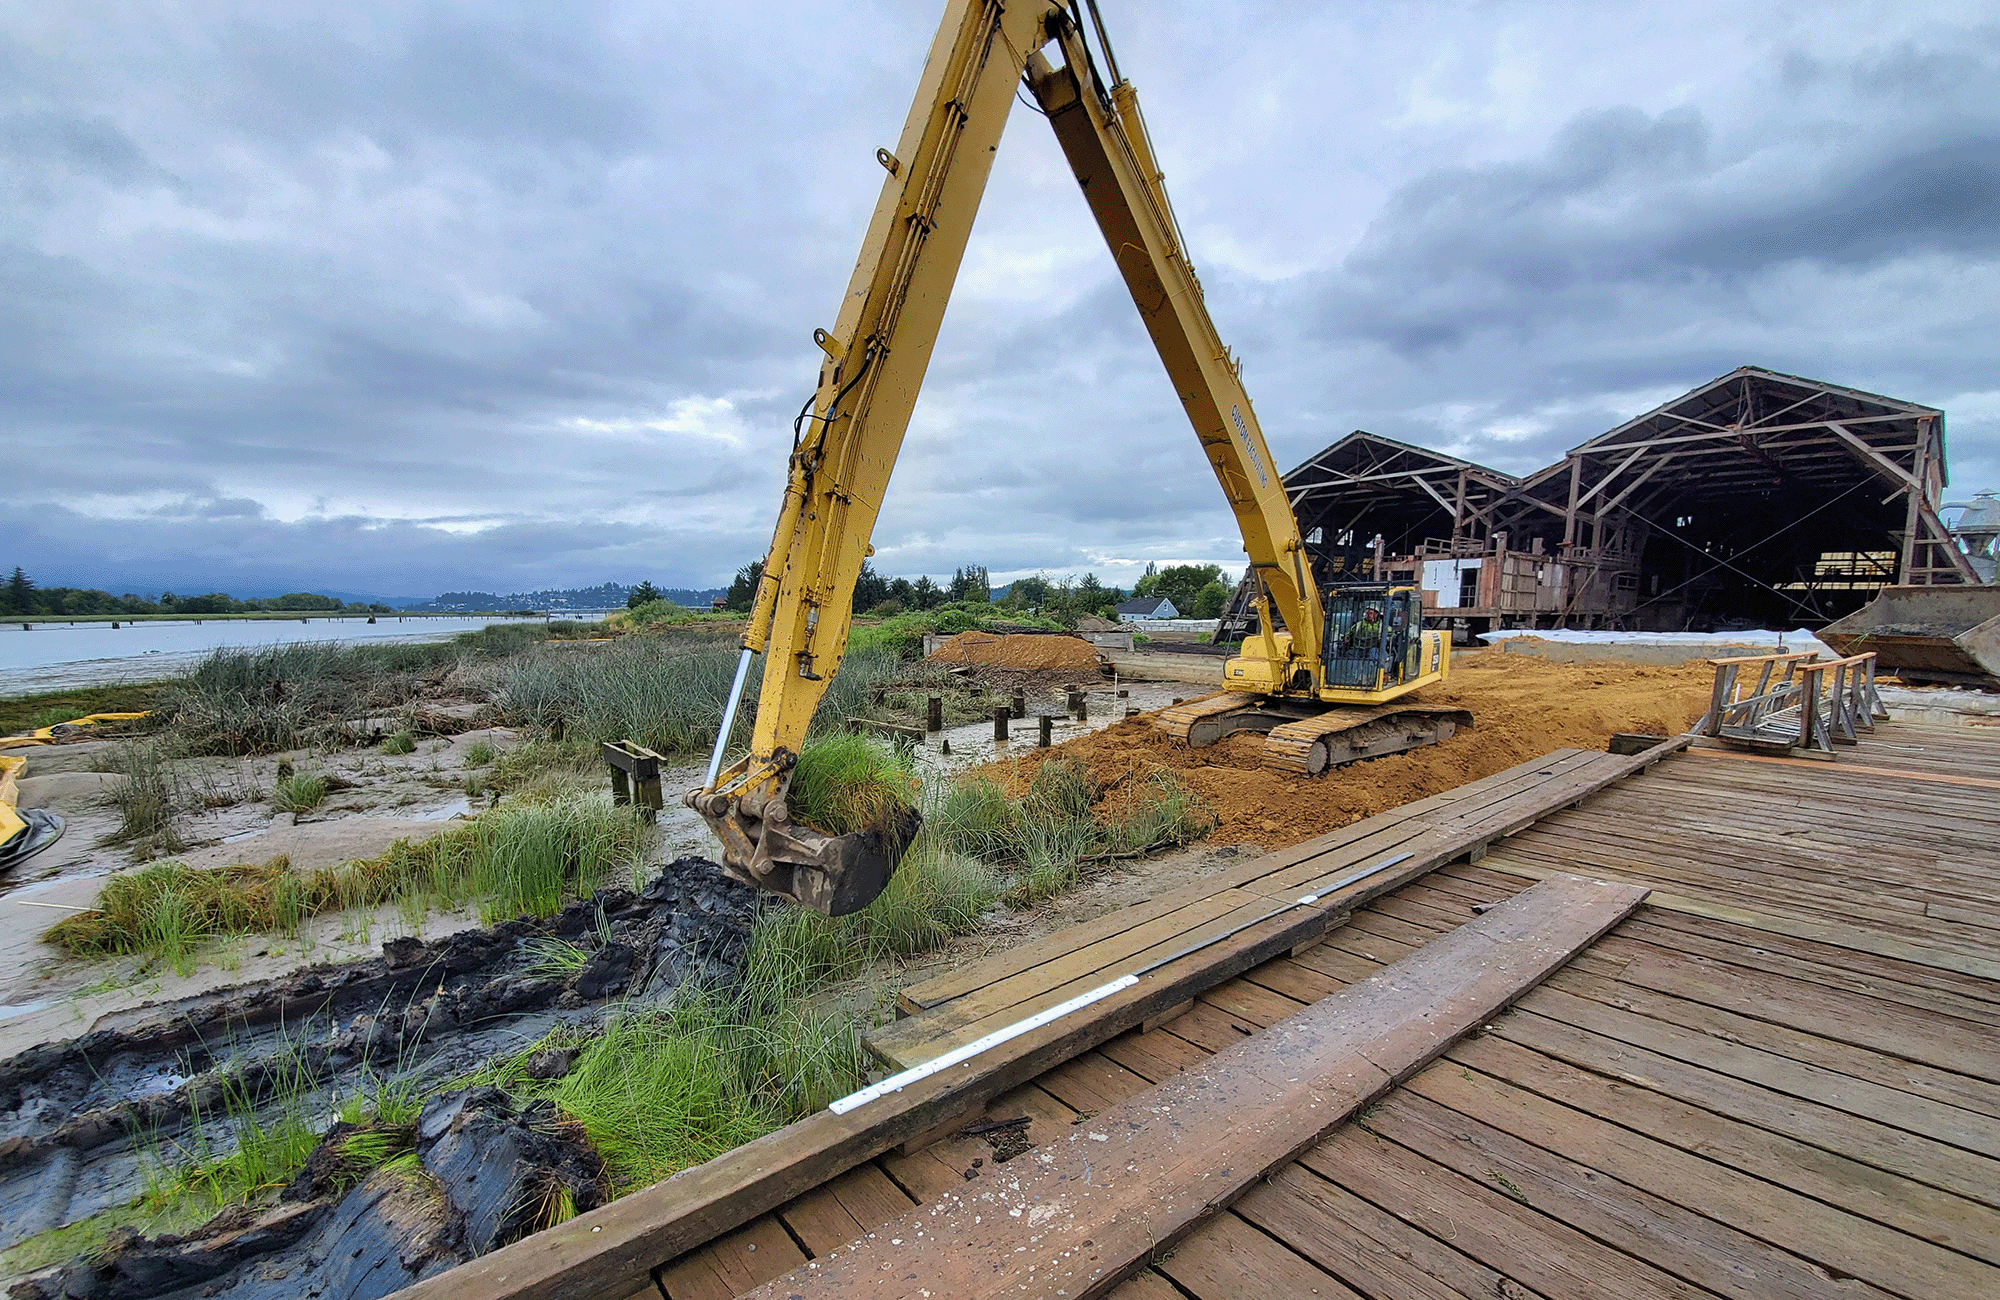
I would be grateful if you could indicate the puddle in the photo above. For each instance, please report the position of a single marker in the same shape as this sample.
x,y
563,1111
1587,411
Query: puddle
x,y
459,807
156,1083
12,1009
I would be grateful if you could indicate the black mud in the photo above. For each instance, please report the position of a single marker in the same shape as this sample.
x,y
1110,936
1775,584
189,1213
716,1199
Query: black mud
x,y
81,1121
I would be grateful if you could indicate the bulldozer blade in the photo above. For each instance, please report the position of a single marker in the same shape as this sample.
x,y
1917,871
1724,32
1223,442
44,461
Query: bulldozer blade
x,y
831,874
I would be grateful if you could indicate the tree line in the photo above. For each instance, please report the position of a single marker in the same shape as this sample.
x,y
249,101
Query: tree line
x,y
1197,591
21,595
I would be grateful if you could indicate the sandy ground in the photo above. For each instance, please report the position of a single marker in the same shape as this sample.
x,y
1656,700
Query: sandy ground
x,y
1522,706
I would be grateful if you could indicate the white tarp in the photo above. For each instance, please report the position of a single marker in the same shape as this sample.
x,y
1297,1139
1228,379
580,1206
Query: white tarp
x,y
1797,640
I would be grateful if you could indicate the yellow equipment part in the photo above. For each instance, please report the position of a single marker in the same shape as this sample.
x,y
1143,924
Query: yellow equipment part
x,y
10,797
875,355
47,735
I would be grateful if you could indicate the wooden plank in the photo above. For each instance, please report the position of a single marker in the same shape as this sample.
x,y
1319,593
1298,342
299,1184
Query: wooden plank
x,y
1919,1097
1372,1251
731,1264
1806,950
1147,1286
1091,1083
1778,921
1710,1129
868,1195
1138,1177
916,1039
1711,1255
1841,1127
1831,1238
1843,977
1866,1022
1478,1217
1228,1259
1856,769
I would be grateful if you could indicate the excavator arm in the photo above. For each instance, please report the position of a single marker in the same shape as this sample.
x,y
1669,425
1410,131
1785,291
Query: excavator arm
x,y
876,355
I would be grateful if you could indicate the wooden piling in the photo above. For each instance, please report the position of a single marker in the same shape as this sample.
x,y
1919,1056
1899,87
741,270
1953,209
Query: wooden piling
x,y
1048,731
1020,706
1000,716
935,715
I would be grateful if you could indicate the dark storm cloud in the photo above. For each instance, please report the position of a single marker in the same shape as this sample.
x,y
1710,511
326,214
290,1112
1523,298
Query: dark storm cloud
x,y
400,298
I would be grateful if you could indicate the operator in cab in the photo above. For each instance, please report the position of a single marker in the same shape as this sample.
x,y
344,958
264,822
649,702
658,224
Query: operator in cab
x,y
1364,636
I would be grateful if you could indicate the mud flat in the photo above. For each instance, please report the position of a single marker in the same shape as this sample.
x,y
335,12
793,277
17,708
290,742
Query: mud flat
x,y
84,1122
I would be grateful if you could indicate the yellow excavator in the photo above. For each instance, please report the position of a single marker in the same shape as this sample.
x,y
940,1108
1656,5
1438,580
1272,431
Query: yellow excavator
x,y
1324,674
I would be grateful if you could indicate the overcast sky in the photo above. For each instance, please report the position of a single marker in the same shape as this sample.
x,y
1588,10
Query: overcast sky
x,y
399,297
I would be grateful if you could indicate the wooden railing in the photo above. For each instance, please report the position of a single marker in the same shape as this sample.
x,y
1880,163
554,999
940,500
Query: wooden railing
x,y
1798,703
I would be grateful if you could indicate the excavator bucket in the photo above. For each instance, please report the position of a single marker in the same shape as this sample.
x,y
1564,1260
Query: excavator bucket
x,y
831,874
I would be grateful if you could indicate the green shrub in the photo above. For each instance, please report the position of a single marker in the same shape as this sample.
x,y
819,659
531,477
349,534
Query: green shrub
x,y
901,636
657,612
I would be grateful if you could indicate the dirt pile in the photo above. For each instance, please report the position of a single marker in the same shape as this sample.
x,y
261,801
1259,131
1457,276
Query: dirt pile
x,y
1042,653
1523,707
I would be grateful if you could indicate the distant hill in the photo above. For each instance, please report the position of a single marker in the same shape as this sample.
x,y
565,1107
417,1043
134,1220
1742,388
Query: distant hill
x,y
609,595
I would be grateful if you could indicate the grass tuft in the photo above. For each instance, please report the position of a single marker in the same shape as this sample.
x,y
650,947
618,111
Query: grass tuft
x,y
847,783
479,753
297,794
149,800
400,742
521,860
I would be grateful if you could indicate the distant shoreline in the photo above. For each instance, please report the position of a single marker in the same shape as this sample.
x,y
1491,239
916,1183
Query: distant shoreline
x,y
276,615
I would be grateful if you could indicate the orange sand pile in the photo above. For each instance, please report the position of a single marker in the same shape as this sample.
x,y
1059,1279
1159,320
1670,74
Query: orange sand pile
x,y
1523,707
1031,652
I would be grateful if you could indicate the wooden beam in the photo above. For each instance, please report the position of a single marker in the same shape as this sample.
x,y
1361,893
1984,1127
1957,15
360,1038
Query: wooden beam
x,y
1725,433
1605,482
1106,1199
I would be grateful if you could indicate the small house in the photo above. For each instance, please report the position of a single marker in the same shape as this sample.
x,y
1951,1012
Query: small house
x,y
1146,607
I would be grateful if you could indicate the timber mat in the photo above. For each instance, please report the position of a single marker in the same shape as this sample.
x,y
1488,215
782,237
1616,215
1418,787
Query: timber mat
x,y
1109,1197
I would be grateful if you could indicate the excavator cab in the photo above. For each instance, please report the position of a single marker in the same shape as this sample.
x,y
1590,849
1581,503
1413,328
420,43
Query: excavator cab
x,y
1374,636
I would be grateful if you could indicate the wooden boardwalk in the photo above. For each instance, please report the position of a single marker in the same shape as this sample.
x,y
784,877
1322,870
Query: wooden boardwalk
x,y
1779,1077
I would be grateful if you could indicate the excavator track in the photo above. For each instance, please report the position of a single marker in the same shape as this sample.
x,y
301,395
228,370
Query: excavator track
x,y
1310,743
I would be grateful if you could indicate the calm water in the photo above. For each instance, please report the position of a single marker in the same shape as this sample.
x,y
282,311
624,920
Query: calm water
x,y
55,657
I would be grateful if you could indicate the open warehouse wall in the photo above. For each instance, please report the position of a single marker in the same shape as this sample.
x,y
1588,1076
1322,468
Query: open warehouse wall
x,y
1757,497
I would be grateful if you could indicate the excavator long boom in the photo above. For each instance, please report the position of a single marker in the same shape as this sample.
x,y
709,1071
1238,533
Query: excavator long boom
x,y
876,355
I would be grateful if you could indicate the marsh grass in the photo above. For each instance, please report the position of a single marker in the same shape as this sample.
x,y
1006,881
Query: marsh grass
x,y
259,700
665,692
244,1147
480,752
553,958
149,800
1062,824
399,742
845,783
665,1088
297,793
521,860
